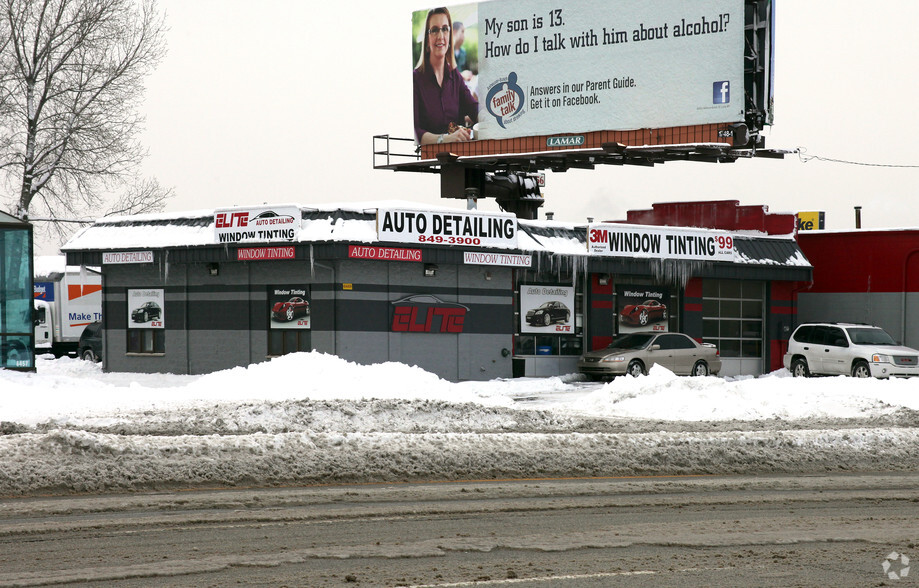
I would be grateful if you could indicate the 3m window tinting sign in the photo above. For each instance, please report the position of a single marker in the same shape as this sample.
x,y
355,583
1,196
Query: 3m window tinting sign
x,y
659,242
289,307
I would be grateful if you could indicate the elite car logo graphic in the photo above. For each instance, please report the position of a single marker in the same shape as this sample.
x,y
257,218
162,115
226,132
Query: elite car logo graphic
x,y
505,100
423,313
721,92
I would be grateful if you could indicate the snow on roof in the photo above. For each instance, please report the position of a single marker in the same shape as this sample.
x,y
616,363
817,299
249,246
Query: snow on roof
x,y
355,222
44,265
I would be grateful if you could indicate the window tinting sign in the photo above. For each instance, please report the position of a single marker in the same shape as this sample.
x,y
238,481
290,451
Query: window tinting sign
x,y
642,308
289,307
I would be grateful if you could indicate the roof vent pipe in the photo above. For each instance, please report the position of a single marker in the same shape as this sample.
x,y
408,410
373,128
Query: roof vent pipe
x,y
858,217
550,215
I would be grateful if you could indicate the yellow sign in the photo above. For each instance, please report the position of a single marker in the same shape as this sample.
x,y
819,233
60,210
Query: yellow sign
x,y
346,287
811,221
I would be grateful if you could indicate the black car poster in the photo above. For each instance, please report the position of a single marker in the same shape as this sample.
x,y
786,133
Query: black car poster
x,y
642,308
146,309
546,309
289,307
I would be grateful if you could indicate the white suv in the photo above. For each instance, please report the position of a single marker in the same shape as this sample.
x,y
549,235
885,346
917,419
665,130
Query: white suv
x,y
860,351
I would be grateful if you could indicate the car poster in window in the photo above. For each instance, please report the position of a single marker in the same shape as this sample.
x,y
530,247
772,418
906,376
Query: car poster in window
x,y
546,309
642,308
146,309
289,307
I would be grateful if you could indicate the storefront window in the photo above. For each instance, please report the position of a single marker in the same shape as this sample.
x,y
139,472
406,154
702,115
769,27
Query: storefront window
x,y
146,341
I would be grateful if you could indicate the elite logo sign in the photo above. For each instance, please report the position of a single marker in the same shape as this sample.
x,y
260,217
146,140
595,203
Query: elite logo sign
x,y
423,313
280,223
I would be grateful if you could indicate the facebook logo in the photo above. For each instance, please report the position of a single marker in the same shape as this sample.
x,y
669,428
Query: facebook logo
x,y
721,92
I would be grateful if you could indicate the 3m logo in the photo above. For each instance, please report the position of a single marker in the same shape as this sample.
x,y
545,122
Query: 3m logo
x,y
721,92
427,314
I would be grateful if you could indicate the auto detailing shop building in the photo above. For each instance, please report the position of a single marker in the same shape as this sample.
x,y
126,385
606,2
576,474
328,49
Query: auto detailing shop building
x,y
467,295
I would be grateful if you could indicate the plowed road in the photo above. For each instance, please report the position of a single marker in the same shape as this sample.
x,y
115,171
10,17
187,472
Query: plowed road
x,y
818,530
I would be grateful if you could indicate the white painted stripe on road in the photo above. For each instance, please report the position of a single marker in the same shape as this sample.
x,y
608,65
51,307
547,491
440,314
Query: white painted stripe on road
x,y
509,581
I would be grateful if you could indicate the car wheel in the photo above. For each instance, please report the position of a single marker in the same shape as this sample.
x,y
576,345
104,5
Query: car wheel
x,y
636,368
861,369
89,355
799,368
290,314
567,316
546,319
700,369
643,318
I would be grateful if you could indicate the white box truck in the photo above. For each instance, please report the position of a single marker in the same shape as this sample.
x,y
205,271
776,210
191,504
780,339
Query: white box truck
x,y
66,300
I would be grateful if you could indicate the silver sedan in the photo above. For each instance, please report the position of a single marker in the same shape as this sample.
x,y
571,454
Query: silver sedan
x,y
635,353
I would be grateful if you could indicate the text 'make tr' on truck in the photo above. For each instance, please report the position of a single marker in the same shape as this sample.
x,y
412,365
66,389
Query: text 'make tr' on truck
x,y
66,300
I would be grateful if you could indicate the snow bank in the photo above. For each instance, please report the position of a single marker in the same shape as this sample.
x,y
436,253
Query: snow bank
x,y
315,418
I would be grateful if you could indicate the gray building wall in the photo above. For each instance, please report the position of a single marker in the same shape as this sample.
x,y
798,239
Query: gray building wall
x,y
895,312
219,322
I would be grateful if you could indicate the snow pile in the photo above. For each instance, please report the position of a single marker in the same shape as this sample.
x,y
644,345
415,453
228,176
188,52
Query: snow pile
x,y
315,418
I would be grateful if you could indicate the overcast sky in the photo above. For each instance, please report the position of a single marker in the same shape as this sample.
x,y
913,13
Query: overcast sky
x,y
278,101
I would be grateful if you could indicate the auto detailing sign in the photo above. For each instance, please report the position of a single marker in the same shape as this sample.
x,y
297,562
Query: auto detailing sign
x,y
546,309
447,228
383,253
116,257
424,313
548,67
146,309
262,224
659,242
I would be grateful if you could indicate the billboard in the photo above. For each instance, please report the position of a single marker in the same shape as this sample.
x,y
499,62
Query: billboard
x,y
539,68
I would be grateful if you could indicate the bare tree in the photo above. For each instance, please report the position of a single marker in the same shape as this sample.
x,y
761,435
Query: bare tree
x,y
74,72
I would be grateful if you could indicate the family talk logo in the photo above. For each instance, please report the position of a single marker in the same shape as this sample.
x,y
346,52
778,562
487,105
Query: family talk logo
x,y
896,566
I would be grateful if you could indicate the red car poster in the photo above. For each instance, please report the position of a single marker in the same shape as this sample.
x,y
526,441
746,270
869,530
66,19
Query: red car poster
x,y
289,307
642,308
